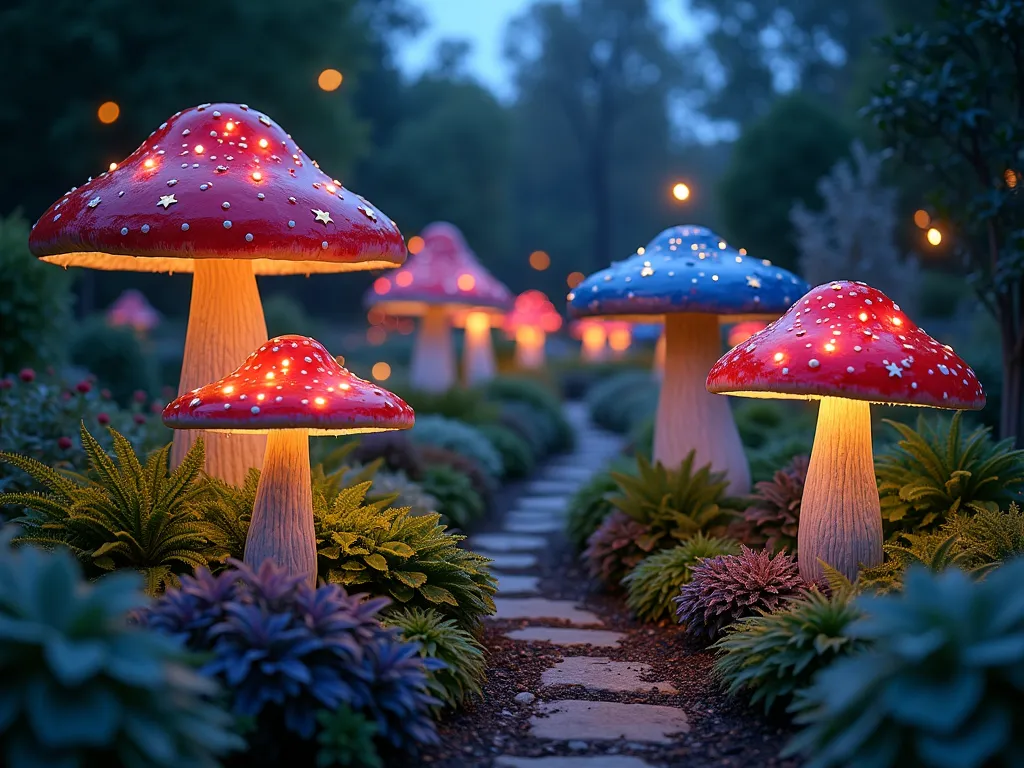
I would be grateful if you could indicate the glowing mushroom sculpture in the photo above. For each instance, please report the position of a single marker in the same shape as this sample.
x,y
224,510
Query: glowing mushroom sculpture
x,y
532,318
222,192
847,345
691,278
288,389
444,284
133,310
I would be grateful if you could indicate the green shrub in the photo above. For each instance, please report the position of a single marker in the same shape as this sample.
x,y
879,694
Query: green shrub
x,y
939,685
459,437
434,456
395,448
82,686
516,456
935,471
41,418
641,438
346,739
532,425
653,584
440,638
771,656
454,495
940,294
510,389
766,461
621,402
468,405
589,506
674,504
285,315
403,492
123,514
115,357
390,553
35,302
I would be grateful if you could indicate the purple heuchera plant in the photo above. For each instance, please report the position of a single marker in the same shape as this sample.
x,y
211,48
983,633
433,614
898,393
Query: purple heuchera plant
x,y
278,644
612,550
727,588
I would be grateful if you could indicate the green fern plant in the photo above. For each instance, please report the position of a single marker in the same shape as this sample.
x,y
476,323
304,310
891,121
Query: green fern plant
x,y
936,471
771,656
123,513
441,638
455,496
652,585
368,546
675,504
346,740
994,536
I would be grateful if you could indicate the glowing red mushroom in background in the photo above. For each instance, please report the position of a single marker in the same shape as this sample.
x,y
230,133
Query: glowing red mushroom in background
x,y
847,345
532,317
593,338
620,337
221,191
742,331
444,285
288,389
131,309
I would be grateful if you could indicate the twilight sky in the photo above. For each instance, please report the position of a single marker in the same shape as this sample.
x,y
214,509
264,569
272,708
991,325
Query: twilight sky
x,y
482,22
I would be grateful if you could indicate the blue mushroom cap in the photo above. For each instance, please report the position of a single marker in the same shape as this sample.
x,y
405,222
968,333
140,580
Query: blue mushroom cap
x,y
687,269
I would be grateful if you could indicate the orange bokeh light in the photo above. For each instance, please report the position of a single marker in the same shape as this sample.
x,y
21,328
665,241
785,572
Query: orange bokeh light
x,y
415,244
381,371
381,285
375,335
330,80
540,260
466,282
108,112
403,279
922,219
574,279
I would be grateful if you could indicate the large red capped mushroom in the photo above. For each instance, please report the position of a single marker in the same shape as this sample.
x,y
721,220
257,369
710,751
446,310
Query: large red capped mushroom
x,y
221,191
847,345
289,388
444,284
532,317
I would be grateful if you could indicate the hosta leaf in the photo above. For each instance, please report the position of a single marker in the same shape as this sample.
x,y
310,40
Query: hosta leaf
x,y
377,562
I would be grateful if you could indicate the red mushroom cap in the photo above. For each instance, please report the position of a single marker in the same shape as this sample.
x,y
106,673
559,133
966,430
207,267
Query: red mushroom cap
x,y
218,181
444,272
291,382
846,339
533,309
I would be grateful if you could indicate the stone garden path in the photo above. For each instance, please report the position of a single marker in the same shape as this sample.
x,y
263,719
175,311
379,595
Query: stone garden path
x,y
556,714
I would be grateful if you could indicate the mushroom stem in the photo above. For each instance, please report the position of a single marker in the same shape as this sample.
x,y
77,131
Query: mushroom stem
x,y
530,347
225,324
659,358
840,514
689,417
282,517
433,359
478,353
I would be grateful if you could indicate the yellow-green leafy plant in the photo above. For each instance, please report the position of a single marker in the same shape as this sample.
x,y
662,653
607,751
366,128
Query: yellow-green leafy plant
x,y
936,471
939,685
652,585
123,513
443,639
371,547
673,504
770,656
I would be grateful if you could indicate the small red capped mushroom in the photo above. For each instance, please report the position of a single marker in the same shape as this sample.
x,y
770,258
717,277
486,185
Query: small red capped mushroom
x,y
444,284
223,192
848,345
290,388
532,317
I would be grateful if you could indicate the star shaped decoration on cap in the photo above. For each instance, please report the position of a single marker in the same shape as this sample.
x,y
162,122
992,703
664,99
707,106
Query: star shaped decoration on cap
x,y
324,216
167,201
753,282
894,370
94,202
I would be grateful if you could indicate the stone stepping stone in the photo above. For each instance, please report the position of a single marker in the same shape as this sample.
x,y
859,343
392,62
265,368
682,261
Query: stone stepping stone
x,y
505,560
506,542
551,525
528,515
568,636
552,487
511,584
603,674
573,719
541,609
565,761
553,503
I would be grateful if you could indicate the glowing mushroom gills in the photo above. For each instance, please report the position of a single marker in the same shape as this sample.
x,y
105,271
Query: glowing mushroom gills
x,y
847,345
289,389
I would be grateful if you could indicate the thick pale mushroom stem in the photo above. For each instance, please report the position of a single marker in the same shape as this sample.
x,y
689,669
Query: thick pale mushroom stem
x,y
433,358
478,353
659,358
593,348
225,324
689,417
282,517
840,515
530,347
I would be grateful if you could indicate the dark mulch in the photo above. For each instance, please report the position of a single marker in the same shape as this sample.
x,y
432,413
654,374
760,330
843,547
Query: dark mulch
x,y
723,732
